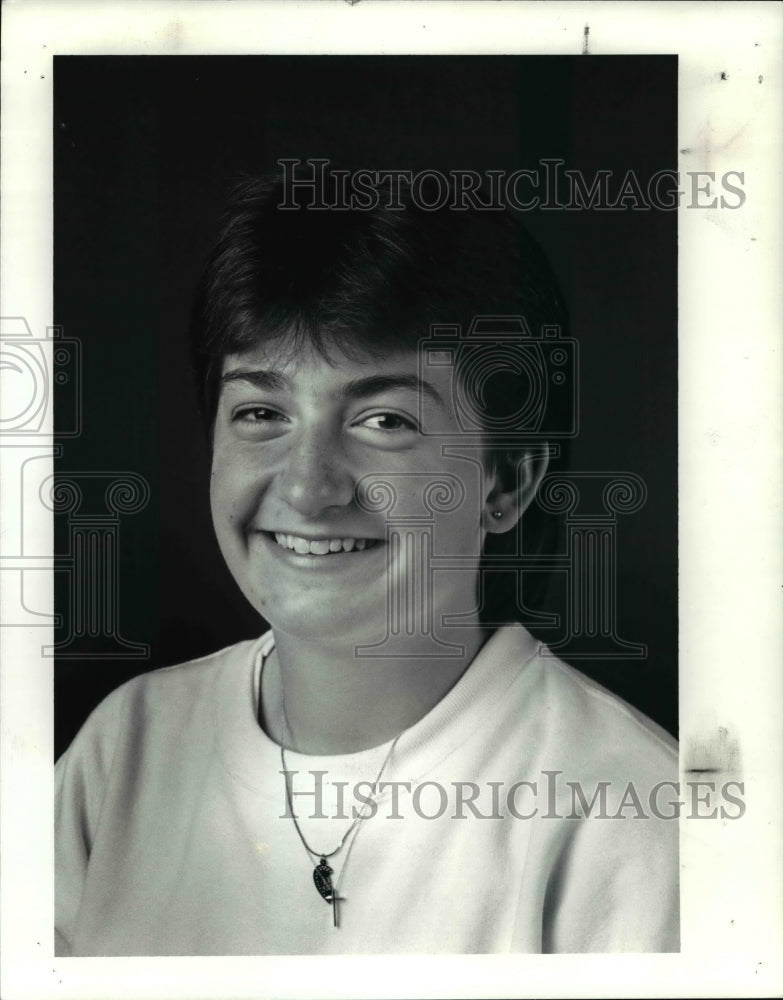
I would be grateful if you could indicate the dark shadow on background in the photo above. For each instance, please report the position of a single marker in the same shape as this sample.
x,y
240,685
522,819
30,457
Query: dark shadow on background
x,y
144,150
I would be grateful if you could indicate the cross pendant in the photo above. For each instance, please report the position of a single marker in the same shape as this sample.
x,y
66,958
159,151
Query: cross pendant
x,y
335,912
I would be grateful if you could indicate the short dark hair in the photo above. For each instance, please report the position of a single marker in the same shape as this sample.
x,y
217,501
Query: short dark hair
x,y
366,281
372,282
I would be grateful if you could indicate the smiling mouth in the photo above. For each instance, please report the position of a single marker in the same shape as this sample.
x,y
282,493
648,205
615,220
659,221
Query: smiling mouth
x,y
322,546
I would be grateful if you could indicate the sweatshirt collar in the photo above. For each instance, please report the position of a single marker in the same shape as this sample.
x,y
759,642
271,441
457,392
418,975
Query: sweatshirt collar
x,y
253,759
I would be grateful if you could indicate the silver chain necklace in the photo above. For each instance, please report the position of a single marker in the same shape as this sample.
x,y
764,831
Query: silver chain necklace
x,y
322,873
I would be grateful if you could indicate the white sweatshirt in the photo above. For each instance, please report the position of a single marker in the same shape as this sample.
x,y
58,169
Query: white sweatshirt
x,y
174,837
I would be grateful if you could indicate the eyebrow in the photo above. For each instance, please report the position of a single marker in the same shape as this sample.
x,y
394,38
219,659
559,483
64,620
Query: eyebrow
x,y
358,388
258,377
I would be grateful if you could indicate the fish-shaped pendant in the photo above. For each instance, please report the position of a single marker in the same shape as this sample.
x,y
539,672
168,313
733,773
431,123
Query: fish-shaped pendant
x,y
322,876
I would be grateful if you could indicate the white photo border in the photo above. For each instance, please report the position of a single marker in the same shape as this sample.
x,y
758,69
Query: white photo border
x,y
731,477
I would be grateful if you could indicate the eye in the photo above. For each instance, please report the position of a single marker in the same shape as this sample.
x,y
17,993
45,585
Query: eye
x,y
389,423
256,415
258,423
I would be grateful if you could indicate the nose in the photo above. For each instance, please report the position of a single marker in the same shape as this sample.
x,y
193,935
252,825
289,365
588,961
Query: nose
x,y
314,473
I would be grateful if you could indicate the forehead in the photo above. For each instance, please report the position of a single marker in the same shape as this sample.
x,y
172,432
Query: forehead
x,y
337,367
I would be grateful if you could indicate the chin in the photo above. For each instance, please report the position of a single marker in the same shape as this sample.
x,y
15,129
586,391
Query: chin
x,y
323,620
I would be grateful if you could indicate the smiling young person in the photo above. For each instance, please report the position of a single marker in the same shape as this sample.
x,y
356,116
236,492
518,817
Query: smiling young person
x,y
388,769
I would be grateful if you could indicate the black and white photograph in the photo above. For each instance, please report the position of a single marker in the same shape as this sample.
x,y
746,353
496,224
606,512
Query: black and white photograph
x,y
362,498
390,378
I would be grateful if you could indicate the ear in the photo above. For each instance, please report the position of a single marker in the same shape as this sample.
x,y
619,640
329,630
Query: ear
x,y
517,475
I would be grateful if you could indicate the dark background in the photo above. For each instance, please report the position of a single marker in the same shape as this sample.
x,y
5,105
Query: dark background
x,y
144,151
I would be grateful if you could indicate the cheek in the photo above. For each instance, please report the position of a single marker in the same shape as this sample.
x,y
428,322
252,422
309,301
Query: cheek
x,y
233,492
458,534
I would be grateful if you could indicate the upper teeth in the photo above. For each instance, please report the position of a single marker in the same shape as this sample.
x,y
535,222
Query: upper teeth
x,y
320,546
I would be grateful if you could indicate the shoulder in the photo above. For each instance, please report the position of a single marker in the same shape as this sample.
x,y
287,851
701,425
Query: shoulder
x,y
165,699
190,680
581,699
575,723
610,775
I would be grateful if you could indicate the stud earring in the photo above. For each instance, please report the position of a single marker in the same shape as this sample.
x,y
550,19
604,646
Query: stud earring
x,y
497,513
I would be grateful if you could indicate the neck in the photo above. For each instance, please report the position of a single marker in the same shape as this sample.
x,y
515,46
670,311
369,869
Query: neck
x,y
334,701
